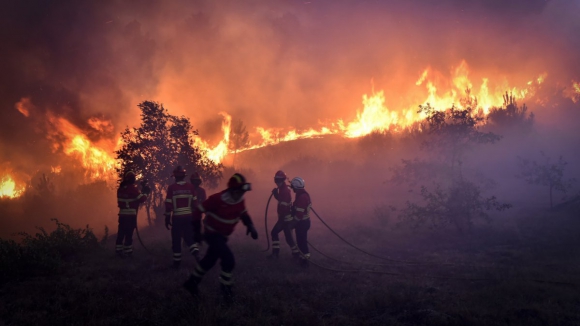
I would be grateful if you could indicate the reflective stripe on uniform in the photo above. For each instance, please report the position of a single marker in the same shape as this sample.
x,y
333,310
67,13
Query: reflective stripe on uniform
x,y
305,256
276,244
295,249
177,256
128,249
226,278
126,201
182,210
219,219
168,200
198,272
283,203
193,248
288,218
119,247
128,211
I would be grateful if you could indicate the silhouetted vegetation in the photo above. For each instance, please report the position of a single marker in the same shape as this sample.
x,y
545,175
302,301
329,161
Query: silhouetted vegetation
x,y
157,146
44,253
239,137
456,199
546,174
511,116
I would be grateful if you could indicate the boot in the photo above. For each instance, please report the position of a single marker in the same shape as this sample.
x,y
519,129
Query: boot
x,y
191,285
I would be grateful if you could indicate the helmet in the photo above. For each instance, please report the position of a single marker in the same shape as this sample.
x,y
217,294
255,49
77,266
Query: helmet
x,y
179,172
129,176
238,181
280,175
297,183
195,178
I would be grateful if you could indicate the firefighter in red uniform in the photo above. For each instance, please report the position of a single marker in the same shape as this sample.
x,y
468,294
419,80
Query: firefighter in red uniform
x,y
128,199
197,214
222,212
181,197
284,198
301,214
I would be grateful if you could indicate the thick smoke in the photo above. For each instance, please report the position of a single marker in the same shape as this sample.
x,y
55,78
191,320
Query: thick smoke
x,y
269,63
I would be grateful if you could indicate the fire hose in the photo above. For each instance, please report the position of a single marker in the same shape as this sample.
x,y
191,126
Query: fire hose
x,y
393,260
266,222
138,236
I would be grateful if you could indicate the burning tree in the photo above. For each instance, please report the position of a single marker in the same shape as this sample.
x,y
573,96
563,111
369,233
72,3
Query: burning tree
x,y
160,143
546,174
456,200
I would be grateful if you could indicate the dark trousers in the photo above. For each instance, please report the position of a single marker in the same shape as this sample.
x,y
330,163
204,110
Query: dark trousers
x,y
127,224
182,228
197,231
302,228
217,249
280,226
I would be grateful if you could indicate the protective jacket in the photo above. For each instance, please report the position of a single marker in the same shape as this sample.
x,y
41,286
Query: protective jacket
x,y
128,199
181,199
302,205
222,213
284,198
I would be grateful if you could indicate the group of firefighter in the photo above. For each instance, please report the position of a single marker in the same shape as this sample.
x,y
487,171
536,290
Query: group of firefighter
x,y
185,205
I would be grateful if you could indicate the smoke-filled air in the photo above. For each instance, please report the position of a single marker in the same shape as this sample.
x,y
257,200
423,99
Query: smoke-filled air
x,y
382,162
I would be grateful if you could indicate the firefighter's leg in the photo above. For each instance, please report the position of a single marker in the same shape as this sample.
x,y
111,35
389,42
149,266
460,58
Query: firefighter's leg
x,y
120,237
130,228
188,237
197,236
176,231
290,240
278,227
302,228
228,263
205,264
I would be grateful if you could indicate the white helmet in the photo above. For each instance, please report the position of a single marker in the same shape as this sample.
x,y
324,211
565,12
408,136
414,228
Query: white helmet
x,y
297,183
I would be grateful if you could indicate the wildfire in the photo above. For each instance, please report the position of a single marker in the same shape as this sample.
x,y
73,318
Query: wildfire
x,y
218,152
96,159
8,188
573,92
441,93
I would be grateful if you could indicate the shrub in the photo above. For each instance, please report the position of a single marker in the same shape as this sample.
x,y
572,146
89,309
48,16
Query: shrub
x,y
44,252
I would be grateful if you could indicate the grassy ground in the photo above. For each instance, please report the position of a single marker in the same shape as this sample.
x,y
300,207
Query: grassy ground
x,y
101,289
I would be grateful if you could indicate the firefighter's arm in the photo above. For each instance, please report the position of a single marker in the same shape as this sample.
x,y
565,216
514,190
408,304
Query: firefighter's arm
x,y
247,221
275,193
299,207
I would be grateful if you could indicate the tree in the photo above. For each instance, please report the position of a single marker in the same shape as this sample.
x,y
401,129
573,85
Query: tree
x,y
511,116
547,174
456,200
160,143
239,137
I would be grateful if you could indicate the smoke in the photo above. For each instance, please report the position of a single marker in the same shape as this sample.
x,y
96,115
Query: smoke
x,y
269,63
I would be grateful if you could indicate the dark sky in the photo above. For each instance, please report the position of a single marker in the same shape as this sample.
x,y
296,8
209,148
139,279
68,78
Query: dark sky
x,y
270,63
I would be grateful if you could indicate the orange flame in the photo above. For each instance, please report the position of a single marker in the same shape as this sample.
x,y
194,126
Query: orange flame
x,y
8,188
97,161
218,152
573,92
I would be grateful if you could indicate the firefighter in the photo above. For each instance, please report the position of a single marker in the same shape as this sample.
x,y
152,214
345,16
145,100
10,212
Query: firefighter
x,y
128,199
284,198
301,214
197,214
180,200
223,211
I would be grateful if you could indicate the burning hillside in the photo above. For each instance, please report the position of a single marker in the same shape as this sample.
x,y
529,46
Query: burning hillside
x,y
291,71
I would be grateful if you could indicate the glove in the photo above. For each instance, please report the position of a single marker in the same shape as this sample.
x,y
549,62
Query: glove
x,y
167,220
146,190
275,193
251,229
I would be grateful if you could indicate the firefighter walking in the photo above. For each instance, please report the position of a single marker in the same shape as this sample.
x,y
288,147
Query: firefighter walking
x,y
223,211
284,198
180,199
195,180
301,214
128,199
